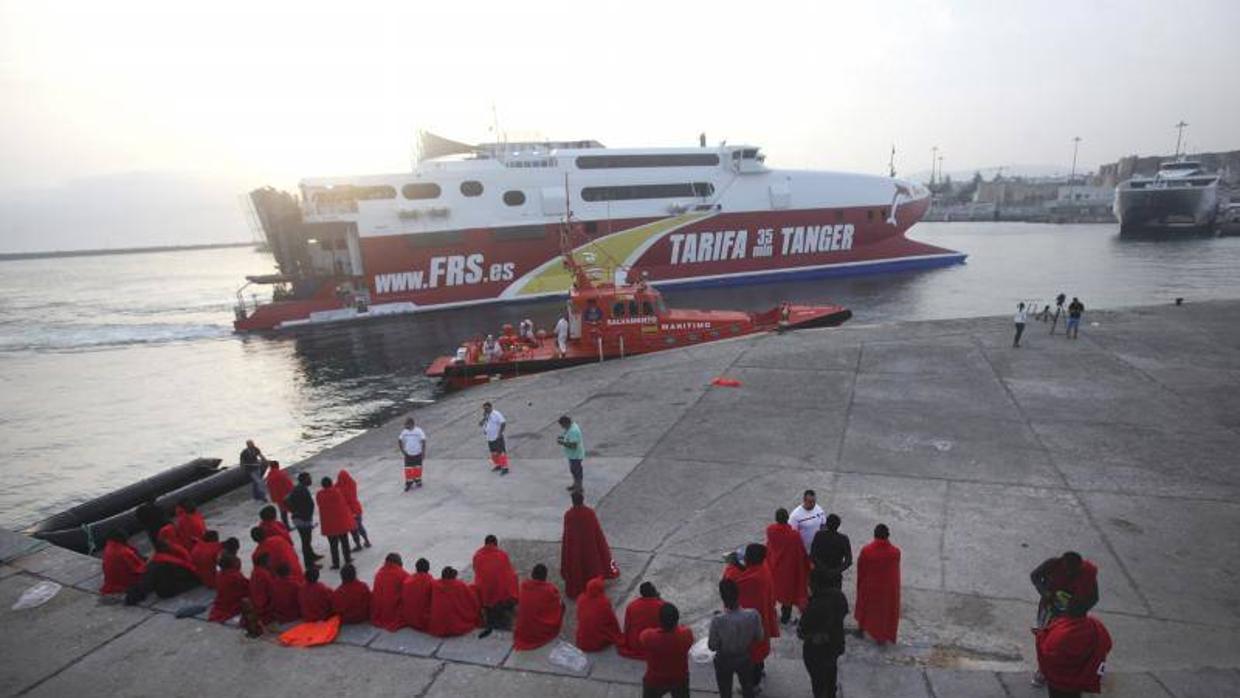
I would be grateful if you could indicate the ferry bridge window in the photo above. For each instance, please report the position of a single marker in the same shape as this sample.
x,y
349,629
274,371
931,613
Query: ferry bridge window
x,y
617,310
426,190
471,188
750,154
514,197
647,308
648,191
633,308
597,162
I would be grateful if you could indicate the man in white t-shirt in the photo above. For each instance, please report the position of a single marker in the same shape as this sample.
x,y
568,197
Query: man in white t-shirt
x,y
412,443
561,336
493,424
808,518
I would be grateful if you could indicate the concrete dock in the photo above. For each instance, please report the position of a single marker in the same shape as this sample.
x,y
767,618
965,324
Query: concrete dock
x,y
983,459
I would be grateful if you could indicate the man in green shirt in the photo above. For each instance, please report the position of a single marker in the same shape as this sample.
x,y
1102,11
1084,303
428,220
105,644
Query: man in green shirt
x,y
574,450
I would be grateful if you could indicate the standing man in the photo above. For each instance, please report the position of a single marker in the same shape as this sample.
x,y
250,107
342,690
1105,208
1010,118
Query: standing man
x,y
831,550
821,629
1075,308
733,635
1059,300
493,424
584,552
412,443
561,337
1020,318
335,521
788,563
807,519
574,450
667,656
1072,654
878,588
255,464
1068,583
300,504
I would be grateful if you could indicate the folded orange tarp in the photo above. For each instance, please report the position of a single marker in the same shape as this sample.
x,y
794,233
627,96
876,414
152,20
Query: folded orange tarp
x,y
322,632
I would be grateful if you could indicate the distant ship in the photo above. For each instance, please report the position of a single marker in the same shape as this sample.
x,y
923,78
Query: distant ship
x,y
476,224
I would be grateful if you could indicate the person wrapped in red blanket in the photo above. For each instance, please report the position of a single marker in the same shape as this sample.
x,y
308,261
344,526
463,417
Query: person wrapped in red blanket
x,y
496,581
878,588
641,614
789,565
1072,653
584,552
386,594
352,598
540,612
123,566
597,627
314,599
415,596
454,606
231,587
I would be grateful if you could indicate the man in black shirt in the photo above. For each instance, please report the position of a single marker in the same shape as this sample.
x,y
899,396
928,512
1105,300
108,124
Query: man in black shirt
x,y
821,629
300,504
254,463
831,550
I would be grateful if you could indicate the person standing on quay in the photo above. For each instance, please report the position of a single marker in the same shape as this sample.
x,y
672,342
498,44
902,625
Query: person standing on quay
x,y
584,552
667,656
336,521
301,505
412,443
1072,654
1059,301
574,450
788,563
807,518
561,337
831,550
493,425
821,629
255,463
733,635
878,588
1075,308
1021,317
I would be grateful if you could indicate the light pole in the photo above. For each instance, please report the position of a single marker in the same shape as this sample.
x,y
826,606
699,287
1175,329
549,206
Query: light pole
x,y
940,169
1178,137
934,156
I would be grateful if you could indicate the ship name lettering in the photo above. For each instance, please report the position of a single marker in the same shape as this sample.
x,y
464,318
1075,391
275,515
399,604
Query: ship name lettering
x,y
713,246
809,239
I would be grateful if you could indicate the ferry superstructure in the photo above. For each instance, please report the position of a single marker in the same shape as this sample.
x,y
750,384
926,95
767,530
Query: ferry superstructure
x,y
1181,198
478,224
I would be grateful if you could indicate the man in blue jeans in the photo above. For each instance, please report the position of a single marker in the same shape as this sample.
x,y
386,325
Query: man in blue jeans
x,y
574,450
255,463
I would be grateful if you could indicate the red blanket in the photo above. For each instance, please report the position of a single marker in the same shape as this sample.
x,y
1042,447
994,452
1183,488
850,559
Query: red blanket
x,y
788,563
352,601
206,556
494,576
190,527
335,519
348,487
315,602
584,553
415,600
262,593
279,484
641,614
123,567
539,615
1072,653
757,591
597,627
454,608
386,595
285,599
230,587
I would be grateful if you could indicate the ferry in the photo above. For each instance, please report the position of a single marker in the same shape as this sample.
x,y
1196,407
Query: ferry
x,y
1180,199
474,224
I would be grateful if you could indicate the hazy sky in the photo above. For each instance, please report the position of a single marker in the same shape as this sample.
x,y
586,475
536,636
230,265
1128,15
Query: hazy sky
x,y
268,92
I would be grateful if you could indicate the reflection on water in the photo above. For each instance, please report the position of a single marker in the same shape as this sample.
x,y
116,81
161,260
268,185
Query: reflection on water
x,y
112,368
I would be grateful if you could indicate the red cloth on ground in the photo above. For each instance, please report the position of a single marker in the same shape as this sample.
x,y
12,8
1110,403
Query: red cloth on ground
x,y
385,597
757,591
190,527
597,627
275,528
584,553
262,593
279,552
206,556
494,576
1072,653
123,567
312,633
230,587
348,487
454,608
352,601
789,565
285,599
315,602
539,615
878,590
641,614
335,519
279,484
667,656
415,600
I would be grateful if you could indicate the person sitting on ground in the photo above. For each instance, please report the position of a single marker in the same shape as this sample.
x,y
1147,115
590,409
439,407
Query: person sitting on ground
x,y
386,593
231,587
279,487
123,566
788,563
170,572
415,596
267,522
285,596
262,589
231,546
189,524
667,656
152,517
597,627
278,550
206,557
540,612
314,599
352,598
454,606
641,614
496,581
